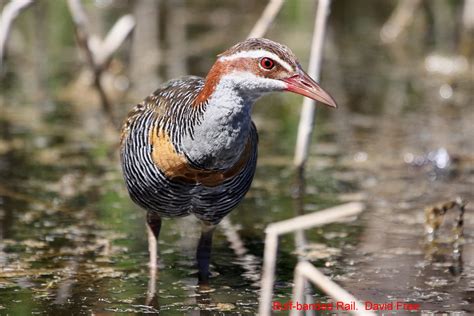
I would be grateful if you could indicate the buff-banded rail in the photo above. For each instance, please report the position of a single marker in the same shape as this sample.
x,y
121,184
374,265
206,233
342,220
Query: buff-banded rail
x,y
191,146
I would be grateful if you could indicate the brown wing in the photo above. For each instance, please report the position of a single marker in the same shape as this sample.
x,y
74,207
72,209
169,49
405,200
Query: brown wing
x,y
168,103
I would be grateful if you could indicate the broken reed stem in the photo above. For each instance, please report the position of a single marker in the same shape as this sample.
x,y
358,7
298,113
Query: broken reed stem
x,y
266,19
400,18
466,41
306,271
97,60
306,124
274,230
119,32
9,13
82,40
298,191
468,14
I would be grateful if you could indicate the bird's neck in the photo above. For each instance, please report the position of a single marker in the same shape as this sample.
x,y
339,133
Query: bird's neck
x,y
220,138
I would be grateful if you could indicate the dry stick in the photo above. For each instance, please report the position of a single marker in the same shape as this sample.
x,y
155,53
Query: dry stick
x,y
9,14
399,20
145,52
97,71
306,124
266,19
99,56
468,14
114,39
275,230
176,34
300,237
466,42
83,36
305,270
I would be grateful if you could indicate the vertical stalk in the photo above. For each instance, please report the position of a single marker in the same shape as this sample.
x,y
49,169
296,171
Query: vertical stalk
x,y
305,127
266,19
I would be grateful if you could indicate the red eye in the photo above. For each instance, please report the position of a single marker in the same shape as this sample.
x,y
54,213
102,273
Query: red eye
x,y
267,63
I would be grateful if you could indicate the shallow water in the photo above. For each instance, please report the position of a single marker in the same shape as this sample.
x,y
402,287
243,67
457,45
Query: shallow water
x,y
71,241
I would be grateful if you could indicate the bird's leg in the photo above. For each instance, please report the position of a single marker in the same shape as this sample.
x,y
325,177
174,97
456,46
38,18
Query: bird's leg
x,y
153,221
203,253
153,226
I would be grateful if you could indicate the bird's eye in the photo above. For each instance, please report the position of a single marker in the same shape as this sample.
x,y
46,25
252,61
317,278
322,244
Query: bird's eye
x,y
267,63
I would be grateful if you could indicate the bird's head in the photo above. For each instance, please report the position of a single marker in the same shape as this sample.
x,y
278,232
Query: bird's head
x,y
258,66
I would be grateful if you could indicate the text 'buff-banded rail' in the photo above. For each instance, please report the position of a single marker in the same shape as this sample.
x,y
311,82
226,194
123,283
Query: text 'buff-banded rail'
x,y
191,146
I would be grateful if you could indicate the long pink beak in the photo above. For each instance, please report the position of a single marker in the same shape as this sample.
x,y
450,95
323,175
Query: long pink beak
x,y
303,84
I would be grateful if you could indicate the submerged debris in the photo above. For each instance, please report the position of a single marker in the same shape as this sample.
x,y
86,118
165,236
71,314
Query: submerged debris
x,y
317,251
434,217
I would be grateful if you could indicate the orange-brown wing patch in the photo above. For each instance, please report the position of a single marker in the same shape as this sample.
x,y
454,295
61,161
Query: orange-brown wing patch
x,y
175,166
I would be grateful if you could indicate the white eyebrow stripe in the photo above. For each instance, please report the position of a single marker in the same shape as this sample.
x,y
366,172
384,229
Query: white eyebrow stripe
x,y
258,54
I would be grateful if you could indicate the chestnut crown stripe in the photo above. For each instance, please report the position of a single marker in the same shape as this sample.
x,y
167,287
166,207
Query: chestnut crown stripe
x,y
258,54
